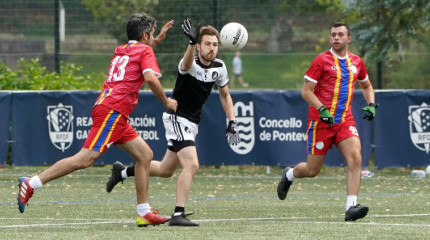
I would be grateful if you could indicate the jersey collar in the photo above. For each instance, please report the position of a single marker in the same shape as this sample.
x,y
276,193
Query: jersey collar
x,y
337,56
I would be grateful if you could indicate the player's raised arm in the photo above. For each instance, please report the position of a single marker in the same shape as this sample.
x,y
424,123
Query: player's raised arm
x,y
162,35
192,34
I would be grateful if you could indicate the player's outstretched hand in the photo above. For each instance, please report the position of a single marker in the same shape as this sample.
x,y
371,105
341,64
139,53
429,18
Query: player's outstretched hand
x,y
191,32
162,35
231,133
370,111
325,115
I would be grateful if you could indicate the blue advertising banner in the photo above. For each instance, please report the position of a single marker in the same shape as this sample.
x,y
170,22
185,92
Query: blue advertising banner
x,y
5,102
48,126
272,126
402,129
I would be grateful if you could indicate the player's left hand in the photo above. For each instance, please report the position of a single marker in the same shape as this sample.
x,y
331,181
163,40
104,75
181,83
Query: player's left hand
x,y
231,133
172,104
162,35
370,111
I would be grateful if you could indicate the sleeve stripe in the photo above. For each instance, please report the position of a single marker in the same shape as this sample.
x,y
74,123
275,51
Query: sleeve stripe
x,y
149,69
310,79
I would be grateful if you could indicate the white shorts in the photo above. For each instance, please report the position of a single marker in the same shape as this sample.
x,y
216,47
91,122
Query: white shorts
x,y
180,132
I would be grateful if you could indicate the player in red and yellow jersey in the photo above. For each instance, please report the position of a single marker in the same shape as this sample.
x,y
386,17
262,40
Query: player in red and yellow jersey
x,y
132,65
329,88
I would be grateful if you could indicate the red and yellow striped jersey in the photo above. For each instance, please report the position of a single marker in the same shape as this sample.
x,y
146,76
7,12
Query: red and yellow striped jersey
x,y
125,77
335,78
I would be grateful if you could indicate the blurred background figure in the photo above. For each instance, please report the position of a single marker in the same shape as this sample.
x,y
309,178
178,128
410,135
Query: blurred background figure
x,y
237,70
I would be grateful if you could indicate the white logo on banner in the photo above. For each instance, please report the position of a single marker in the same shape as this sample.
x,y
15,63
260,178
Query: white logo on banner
x,y
419,126
245,126
60,125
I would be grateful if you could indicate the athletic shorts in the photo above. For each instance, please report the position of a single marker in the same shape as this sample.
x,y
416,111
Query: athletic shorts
x,y
180,132
321,138
109,127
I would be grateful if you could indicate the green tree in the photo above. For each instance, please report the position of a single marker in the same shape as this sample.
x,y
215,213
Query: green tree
x,y
31,75
385,26
282,31
382,31
113,15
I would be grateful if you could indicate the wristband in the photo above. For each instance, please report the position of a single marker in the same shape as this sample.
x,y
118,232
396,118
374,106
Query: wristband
x,y
322,109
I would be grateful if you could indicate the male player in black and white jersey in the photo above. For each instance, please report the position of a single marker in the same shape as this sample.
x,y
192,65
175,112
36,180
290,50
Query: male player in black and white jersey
x,y
196,76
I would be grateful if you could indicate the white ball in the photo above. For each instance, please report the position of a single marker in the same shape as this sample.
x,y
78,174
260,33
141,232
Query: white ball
x,y
428,170
234,36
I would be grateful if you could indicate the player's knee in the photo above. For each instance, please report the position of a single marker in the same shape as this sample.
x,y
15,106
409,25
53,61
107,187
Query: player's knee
x,y
86,162
146,157
149,154
83,159
313,172
193,167
354,162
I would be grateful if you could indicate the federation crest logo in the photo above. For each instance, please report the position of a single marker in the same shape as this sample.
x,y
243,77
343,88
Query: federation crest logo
x,y
419,126
60,125
319,145
215,75
245,125
353,69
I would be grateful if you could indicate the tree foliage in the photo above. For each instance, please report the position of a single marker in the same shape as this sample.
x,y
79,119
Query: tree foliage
x,y
385,26
329,6
113,14
31,75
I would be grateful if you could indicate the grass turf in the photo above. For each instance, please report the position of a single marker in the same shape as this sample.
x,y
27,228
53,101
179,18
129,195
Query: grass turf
x,y
229,203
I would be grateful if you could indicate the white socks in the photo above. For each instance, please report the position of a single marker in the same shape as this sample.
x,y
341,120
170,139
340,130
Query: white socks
x,y
351,200
290,175
35,183
143,209
124,173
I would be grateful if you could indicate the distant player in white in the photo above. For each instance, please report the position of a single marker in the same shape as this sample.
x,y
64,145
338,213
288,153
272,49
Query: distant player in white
x,y
196,78
237,70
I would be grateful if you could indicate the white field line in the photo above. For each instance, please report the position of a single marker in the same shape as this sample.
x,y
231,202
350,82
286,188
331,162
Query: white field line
x,y
293,220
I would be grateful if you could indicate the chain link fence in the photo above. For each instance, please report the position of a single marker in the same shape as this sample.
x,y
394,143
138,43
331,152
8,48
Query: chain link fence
x,y
280,48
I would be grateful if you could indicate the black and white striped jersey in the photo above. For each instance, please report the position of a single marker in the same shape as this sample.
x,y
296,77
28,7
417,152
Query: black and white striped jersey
x,y
193,87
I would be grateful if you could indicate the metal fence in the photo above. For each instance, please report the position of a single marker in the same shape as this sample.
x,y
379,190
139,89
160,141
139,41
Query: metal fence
x,y
280,48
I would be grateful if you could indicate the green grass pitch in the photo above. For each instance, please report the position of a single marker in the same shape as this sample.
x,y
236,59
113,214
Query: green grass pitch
x,y
229,202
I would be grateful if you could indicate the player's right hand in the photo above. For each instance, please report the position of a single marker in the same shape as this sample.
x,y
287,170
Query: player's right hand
x,y
172,104
191,32
325,115
162,35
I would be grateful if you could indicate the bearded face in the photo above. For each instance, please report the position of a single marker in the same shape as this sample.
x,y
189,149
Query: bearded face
x,y
208,49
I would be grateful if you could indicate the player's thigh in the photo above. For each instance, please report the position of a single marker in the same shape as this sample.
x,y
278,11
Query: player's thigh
x,y
86,156
188,157
350,149
315,162
170,161
138,149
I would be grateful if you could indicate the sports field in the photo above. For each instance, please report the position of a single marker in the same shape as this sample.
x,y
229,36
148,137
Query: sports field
x,y
229,203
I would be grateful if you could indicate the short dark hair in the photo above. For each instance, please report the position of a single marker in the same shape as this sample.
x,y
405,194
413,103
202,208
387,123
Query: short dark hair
x,y
208,30
138,24
341,24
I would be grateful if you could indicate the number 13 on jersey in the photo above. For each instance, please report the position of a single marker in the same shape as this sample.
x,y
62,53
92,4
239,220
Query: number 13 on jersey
x,y
117,69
